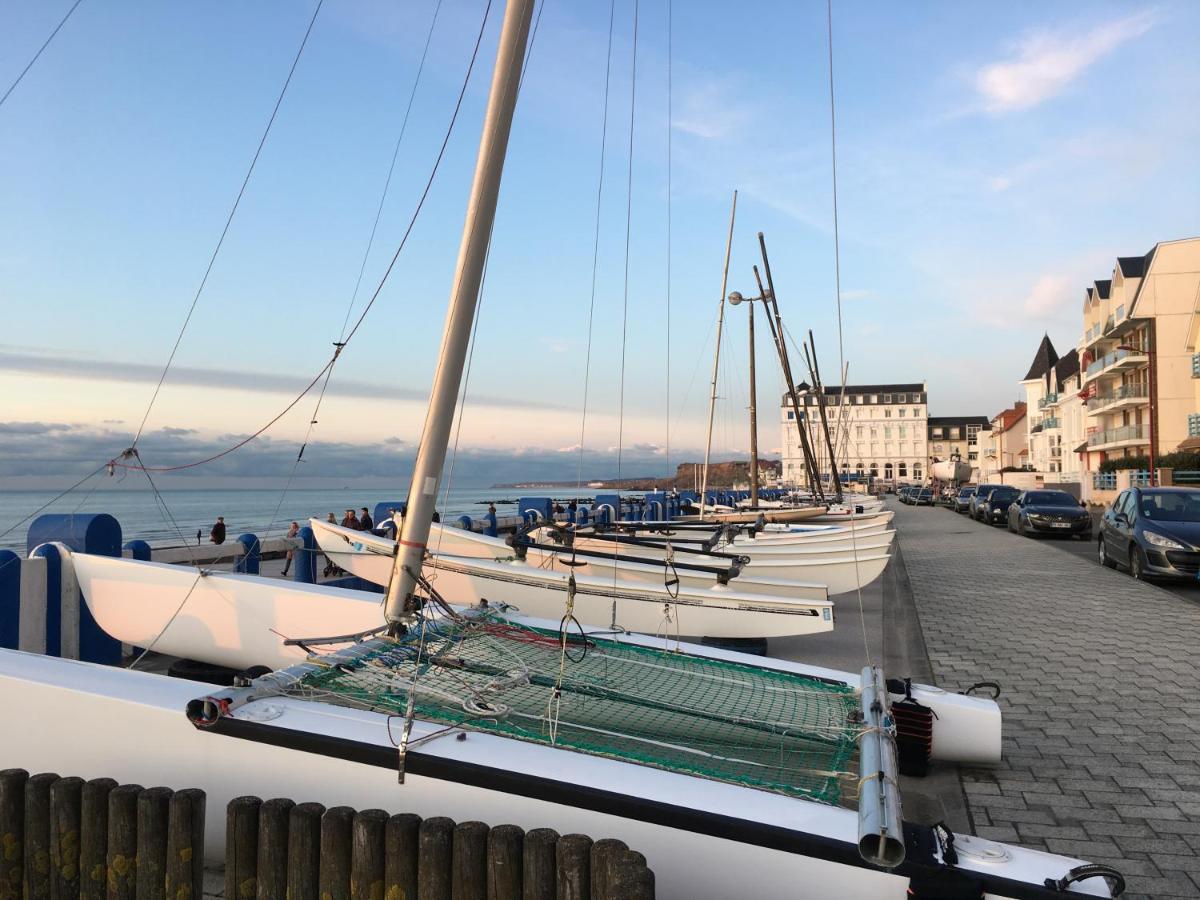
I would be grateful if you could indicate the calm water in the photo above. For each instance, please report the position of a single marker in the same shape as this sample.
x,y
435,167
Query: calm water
x,y
244,510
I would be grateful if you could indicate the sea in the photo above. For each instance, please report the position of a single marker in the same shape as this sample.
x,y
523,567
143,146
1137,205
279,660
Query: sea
x,y
176,516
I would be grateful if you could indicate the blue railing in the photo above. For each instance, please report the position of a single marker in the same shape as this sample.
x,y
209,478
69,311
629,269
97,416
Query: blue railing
x,y
1104,481
1186,476
1051,422
1139,478
1110,359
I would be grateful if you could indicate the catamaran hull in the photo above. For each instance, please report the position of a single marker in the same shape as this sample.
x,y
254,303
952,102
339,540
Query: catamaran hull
x,y
749,516
701,838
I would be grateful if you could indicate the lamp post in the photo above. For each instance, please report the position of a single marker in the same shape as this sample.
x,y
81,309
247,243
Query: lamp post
x,y
734,299
1149,351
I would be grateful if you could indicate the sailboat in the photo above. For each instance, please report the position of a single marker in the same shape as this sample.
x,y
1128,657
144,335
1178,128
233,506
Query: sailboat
x,y
719,767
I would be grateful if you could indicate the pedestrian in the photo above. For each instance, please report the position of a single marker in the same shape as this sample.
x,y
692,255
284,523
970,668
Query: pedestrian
x,y
364,521
331,519
349,520
217,535
292,534
491,509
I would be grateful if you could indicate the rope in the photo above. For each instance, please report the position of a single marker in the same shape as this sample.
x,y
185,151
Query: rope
x,y
587,364
837,250
29,65
228,221
628,231
670,99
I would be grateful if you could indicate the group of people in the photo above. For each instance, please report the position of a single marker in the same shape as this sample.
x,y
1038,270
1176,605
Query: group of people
x,y
353,520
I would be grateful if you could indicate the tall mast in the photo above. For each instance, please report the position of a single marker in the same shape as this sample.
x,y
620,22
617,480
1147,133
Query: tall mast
x,y
464,294
712,400
753,420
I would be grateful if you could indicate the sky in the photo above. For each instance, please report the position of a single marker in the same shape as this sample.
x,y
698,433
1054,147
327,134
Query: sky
x,y
993,159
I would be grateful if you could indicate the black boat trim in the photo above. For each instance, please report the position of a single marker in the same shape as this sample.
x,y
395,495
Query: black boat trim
x,y
653,812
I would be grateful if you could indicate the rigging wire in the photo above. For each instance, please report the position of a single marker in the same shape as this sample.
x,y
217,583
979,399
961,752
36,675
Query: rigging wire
x,y
118,462
228,222
587,363
670,103
29,65
628,231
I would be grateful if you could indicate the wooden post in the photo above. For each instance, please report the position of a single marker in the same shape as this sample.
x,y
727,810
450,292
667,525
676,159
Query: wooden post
x,y
121,856
271,868
504,867
37,836
153,816
241,848
12,832
436,839
66,795
336,828
573,855
633,881
185,845
304,846
469,863
367,855
604,866
93,839
539,864
401,840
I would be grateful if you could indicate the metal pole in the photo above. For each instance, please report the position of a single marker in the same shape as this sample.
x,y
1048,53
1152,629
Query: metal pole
x,y
816,370
464,295
1153,430
753,420
712,400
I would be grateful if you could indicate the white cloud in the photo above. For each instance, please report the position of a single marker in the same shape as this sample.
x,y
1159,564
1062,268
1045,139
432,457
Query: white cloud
x,y
1049,295
1045,63
711,109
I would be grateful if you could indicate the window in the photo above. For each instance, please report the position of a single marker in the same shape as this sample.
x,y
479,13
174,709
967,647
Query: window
x,y
917,471
874,432
1193,425
887,432
858,432
791,415
858,467
887,398
887,413
916,412
903,430
902,412
903,469
955,434
937,434
874,470
874,398
902,398
887,471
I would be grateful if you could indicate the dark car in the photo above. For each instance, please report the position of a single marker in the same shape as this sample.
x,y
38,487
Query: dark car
x,y
921,497
905,493
962,500
1154,532
981,492
994,509
1049,512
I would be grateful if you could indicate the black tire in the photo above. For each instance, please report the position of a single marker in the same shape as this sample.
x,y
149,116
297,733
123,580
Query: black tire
x,y
1137,564
1009,524
1102,555
194,670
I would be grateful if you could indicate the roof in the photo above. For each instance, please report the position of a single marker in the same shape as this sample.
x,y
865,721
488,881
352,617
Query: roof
x,y
1102,287
1010,417
1066,367
961,421
917,388
1133,266
1043,360
1082,448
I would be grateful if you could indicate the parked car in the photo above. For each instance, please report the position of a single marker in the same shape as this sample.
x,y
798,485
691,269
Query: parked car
x,y
905,493
1154,532
981,492
962,500
994,509
1049,512
922,497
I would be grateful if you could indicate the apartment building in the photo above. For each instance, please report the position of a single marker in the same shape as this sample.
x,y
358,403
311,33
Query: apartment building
x,y
1054,425
879,431
957,436
1006,444
1139,355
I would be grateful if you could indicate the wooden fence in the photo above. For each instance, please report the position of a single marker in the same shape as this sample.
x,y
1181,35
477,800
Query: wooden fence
x,y
70,838
303,851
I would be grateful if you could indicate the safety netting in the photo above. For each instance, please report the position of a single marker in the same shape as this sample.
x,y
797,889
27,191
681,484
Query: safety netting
x,y
763,728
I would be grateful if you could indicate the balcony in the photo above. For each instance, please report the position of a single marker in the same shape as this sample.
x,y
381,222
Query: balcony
x,y
1115,361
1051,422
1048,400
1126,395
1036,429
1125,436
1196,365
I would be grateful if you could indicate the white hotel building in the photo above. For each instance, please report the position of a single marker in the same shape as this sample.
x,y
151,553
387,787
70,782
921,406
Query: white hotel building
x,y
879,430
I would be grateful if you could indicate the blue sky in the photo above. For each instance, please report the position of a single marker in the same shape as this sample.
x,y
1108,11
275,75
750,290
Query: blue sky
x,y
993,159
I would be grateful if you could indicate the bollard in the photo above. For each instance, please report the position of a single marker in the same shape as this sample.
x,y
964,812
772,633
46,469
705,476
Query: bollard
x,y
573,855
185,845
10,600
305,559
251,556
436,839
153,817
138,549
336,836
53,557
468,866
37,836
538,861
66,796
122,842
93,839
504,866
241,848
304,845
606,855
490,528
367,854
271,869
401,842
12,830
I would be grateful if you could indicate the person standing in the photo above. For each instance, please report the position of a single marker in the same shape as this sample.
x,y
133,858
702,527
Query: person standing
x,y
217,535
292,534
349,520
364,521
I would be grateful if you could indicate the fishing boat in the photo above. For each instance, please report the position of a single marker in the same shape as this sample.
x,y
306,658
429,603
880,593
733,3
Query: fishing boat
x,y
950,471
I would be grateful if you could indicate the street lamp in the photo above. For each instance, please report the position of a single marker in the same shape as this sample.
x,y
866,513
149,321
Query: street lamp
x,y
1149,351
734,299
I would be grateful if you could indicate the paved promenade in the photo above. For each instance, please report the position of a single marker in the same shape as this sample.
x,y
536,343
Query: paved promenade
x,y
1101,697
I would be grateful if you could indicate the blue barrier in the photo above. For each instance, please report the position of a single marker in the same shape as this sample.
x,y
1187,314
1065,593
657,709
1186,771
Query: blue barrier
x,y
607,508
10,600
465,523
305,559
99,534
582,515
138,549
657,507
535,508
490,528
251,556
383,511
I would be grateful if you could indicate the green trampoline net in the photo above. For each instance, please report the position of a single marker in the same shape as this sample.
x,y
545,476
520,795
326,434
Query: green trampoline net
x,y
770,730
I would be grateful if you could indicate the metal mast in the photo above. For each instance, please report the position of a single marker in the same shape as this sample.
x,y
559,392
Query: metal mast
x,y
464,294
712,400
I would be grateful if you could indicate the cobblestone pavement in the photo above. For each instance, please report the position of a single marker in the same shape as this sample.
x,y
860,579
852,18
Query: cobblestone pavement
x,y
1101,710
